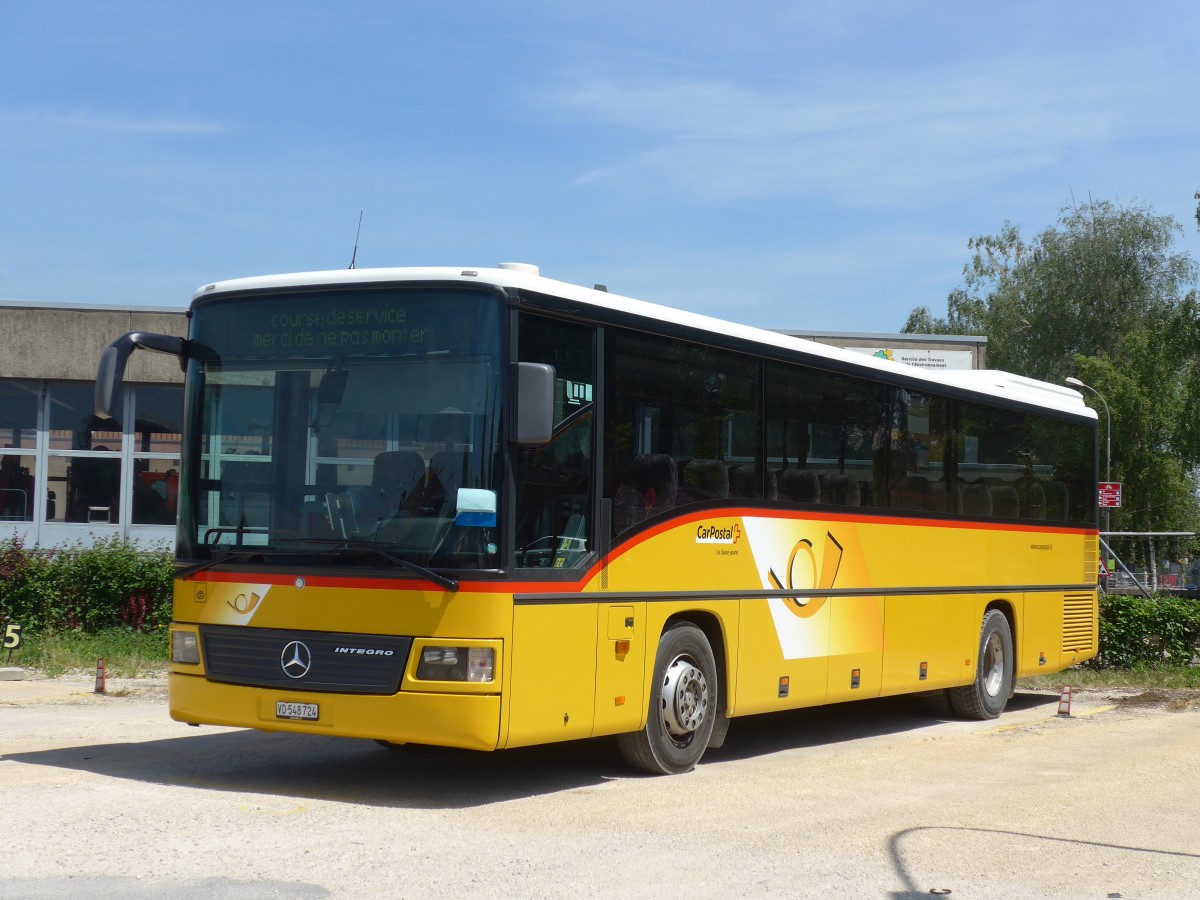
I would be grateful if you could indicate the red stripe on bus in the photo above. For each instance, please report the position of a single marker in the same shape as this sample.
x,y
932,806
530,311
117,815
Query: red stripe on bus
x,y
566,587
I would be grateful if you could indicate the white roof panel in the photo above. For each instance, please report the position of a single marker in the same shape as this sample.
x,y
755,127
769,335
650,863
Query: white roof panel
x,y
989,382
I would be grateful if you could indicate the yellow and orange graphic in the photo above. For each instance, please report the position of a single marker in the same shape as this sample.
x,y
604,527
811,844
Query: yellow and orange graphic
x,y
797,555
236,603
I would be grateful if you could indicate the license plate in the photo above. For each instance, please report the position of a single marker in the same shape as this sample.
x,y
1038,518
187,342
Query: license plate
x,y
286,710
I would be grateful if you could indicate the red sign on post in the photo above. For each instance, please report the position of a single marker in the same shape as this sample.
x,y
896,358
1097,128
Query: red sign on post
x,y
1110,493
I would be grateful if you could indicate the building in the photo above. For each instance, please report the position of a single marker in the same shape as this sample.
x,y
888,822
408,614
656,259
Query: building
x,y
68,477
926,351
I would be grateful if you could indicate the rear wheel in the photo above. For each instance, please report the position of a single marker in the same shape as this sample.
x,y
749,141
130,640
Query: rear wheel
x,y
683,705
988,695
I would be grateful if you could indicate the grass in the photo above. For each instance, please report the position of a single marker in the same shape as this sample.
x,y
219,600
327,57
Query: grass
x,y
1082,678
126,653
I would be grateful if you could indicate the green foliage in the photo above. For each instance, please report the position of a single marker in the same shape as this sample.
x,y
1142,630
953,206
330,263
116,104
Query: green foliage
x,y
1105,297
86,589
1160,632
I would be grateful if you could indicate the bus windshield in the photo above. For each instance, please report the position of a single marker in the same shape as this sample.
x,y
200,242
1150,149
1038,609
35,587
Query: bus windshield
x,y
351,426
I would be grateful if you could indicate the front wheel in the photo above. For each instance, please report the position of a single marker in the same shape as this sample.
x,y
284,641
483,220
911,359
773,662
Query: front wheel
x,y
683,705
988,695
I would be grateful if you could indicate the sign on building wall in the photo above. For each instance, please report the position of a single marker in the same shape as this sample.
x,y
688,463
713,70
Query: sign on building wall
x,y
921,358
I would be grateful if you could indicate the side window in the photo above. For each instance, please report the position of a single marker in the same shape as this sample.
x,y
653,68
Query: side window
x,y
554,482
823,443
1062,470
683,426
917,469
992,461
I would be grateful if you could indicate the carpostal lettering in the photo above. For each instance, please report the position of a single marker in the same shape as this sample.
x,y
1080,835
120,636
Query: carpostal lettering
x,y
718,534
363,651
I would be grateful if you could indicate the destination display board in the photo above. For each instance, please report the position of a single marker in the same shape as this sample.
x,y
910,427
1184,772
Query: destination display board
x,y
347,323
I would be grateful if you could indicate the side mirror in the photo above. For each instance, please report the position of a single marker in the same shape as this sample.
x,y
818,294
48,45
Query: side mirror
x,y
116,355
535,403
333,386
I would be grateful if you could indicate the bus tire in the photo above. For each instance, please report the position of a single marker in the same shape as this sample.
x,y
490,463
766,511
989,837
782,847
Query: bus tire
x,y
934,703
683,705
987,696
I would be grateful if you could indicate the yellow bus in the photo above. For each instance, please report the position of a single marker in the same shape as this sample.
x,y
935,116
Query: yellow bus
x,y
481,508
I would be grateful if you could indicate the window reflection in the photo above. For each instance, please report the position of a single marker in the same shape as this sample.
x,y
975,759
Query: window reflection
x,y
159,419
18,413
155,491
85,489
16,487
72,425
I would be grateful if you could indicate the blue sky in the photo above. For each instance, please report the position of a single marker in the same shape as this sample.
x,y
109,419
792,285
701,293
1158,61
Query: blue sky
x,y
795,164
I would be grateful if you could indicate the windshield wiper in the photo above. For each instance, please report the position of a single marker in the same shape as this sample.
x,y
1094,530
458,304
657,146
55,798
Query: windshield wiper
x,y
225,556
442,581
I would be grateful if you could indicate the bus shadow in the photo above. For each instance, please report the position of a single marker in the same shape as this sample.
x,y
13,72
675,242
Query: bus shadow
x,y
342,769
357,771
819,726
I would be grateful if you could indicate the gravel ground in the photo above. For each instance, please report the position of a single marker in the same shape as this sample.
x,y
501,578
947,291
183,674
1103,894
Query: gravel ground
x,y
105,796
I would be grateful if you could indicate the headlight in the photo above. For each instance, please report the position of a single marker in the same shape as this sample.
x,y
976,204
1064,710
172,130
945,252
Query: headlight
x,y
185,648
457,664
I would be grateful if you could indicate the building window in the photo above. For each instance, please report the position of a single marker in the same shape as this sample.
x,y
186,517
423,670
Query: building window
x,y
158,424
99,471
83,465
71,424
19,402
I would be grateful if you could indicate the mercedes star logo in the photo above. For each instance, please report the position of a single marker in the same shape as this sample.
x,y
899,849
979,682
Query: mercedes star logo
x,y
296,659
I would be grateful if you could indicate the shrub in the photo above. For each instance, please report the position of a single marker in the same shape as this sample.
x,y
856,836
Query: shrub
x,y
1147,632
86,589
25,584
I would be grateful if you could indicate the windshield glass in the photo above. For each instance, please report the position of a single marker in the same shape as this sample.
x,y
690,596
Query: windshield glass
x,y
341,423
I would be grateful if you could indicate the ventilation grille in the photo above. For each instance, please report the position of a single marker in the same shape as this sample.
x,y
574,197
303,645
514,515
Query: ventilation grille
x,y
305,660
1079,623
1091,560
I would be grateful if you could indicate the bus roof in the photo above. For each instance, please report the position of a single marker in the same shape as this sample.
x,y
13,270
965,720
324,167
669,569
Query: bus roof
x,y
521,276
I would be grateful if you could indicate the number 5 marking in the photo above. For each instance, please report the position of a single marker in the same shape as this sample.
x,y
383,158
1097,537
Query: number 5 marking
x,y
12,636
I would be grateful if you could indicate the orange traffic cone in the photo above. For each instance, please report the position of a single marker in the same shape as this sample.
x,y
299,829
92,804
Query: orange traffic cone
x,y
101,677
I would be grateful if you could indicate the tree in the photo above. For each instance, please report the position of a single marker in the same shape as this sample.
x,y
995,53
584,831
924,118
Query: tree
x,y
1105,297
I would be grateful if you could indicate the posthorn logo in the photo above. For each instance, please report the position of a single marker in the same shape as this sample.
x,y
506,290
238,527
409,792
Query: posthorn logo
x,y
296,659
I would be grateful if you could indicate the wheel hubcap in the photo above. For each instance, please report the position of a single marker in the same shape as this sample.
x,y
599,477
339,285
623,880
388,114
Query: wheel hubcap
x,y
993,666
684,697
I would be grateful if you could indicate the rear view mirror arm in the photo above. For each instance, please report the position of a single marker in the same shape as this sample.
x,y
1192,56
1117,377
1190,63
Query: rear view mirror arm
x,y
116,355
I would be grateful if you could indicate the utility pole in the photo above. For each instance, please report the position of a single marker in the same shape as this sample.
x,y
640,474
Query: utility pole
x,y
1076,383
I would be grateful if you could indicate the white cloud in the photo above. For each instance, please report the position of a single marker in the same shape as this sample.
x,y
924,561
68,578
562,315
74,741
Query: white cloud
x,y
870,143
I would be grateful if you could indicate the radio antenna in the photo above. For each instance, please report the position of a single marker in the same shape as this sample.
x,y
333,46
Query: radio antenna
x,y
354,255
